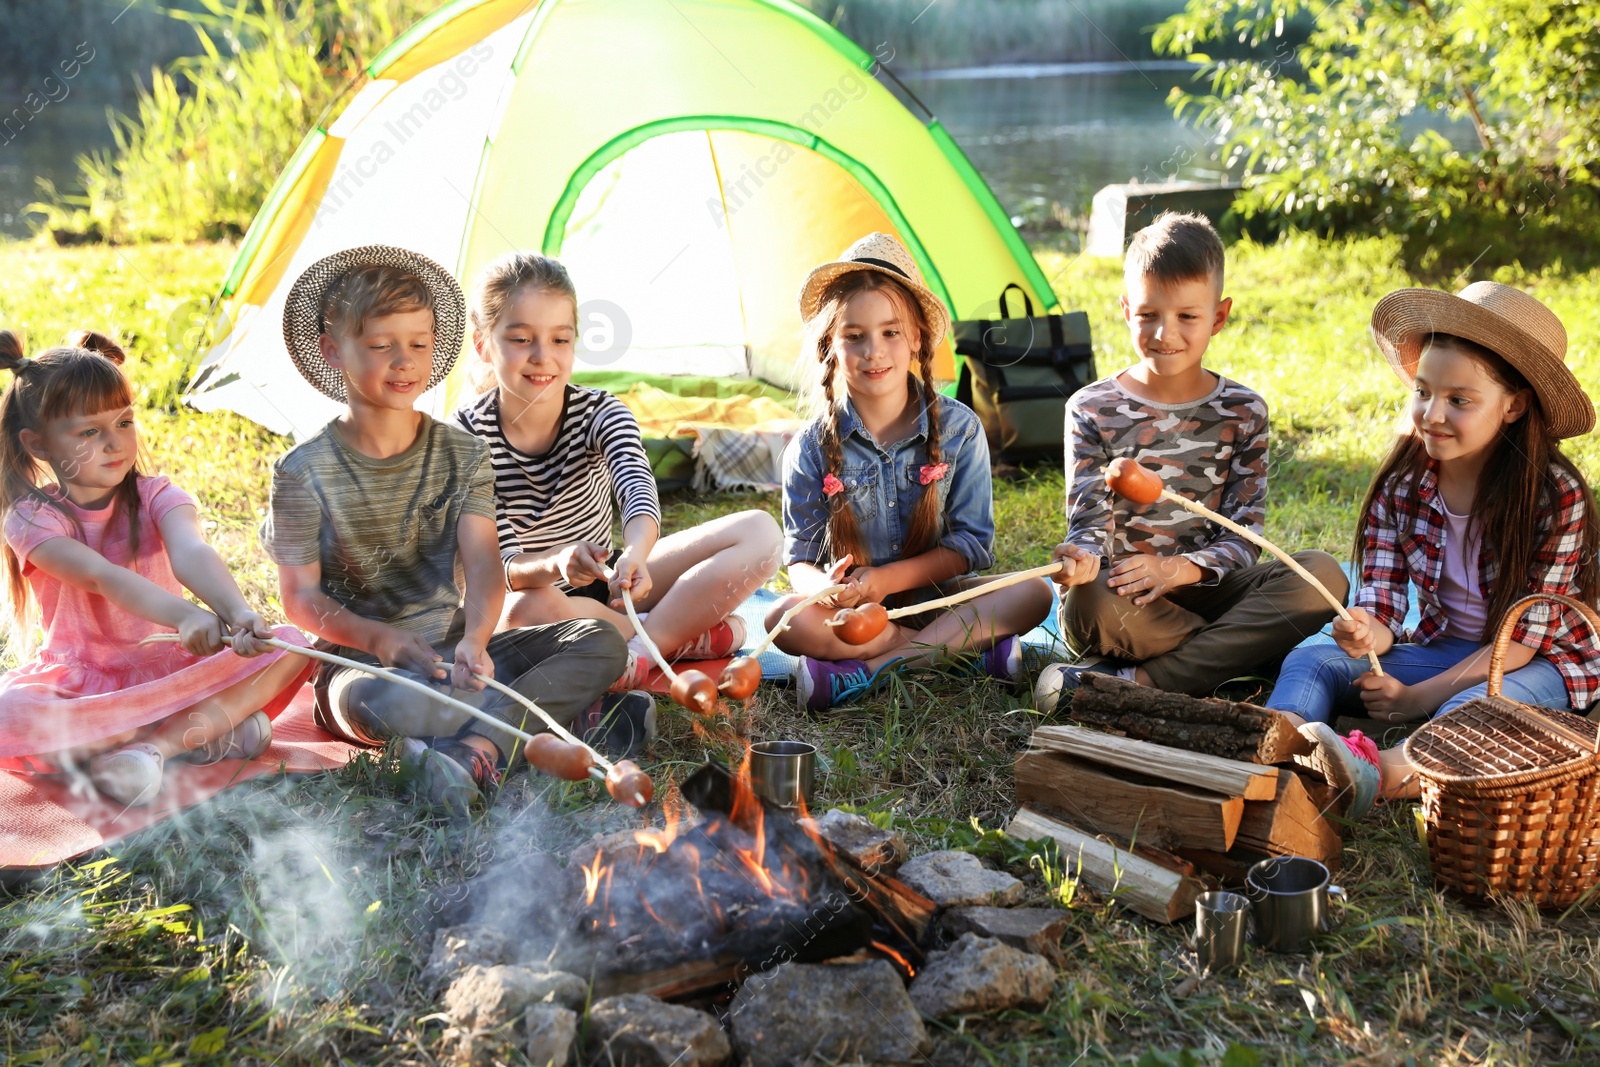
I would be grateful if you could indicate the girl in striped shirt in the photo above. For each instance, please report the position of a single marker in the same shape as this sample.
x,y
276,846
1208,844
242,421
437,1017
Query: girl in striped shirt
x,y
562,453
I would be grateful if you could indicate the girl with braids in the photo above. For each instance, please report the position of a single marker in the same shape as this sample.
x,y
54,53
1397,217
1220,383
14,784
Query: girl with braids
x,y
562,453
887,490
99,558
1475,507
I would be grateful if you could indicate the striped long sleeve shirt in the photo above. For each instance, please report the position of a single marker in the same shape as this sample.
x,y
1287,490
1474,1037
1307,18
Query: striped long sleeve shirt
x,y
566,494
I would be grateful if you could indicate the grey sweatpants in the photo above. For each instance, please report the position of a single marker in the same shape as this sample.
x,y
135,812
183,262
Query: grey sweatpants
x,y
1195,638
563,667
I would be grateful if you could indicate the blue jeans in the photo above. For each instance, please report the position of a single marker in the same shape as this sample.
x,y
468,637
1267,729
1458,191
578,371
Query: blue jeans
x,y
1316,680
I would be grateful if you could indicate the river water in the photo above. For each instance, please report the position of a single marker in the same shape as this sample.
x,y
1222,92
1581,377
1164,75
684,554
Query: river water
x,y
1040,136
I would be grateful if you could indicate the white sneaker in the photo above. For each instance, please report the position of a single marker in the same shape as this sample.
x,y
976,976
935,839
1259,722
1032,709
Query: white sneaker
x,y
131,776
640,663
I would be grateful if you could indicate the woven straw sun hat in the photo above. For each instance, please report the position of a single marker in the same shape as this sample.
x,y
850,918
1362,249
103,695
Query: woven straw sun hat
x,y
1507,321
880,252
304,322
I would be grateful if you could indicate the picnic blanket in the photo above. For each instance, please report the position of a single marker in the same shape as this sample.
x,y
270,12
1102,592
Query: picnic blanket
x,y
43,821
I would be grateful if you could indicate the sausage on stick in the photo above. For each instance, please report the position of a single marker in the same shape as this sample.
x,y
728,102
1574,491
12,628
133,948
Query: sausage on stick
x,y
1143,486
560,756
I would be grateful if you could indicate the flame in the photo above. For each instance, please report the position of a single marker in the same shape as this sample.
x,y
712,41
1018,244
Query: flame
x,y
591,879
673,805
911,971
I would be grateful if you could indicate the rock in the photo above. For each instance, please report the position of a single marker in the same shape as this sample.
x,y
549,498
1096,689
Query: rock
x,y
956,879
981,974
551,1029
636,1030
873,850
487,998
1036,930
801,1013
455,948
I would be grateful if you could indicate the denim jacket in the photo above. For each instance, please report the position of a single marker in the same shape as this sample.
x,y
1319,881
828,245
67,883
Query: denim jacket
x,y
884,485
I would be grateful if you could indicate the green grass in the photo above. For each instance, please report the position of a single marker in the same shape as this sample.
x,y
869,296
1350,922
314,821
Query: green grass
x,y
285,922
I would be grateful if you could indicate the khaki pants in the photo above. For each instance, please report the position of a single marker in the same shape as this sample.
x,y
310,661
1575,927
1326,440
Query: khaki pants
x,y
1198,637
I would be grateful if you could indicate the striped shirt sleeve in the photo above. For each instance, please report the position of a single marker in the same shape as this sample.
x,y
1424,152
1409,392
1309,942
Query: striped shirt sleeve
x,y
614,433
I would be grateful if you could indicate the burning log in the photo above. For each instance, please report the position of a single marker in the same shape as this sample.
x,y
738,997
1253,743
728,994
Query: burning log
x,y
1216,727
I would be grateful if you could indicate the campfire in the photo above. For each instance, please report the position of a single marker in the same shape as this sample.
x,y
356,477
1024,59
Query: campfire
x,y
696,905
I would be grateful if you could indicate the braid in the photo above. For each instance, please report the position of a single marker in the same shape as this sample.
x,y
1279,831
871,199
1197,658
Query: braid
x,y
844,532
927,518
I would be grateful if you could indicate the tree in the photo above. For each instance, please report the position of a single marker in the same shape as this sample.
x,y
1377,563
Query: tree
x,y
1329,133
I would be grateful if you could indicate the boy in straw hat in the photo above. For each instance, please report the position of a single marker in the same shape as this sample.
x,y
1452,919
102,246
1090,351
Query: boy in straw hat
x,y
1474,508
368,519
1156,594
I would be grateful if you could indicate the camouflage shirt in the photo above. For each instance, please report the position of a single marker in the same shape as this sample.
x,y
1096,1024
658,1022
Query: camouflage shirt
x,y
1213,451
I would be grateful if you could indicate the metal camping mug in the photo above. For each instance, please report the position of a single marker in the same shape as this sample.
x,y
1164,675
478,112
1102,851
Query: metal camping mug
x,y
1219,927
1289,902
782,772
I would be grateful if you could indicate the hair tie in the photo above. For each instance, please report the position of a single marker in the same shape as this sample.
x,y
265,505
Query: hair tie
x,y
831,485
23,363
932,472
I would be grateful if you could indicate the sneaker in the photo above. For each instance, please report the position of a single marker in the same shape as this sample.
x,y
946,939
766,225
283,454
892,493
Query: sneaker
x,y
1003,660
826,682
246,741
451,774
719,642
1058,678
620,723
640,664
131,776
1349,764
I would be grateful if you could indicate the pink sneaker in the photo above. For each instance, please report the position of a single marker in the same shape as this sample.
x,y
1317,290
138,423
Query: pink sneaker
x,y
719,642
640,663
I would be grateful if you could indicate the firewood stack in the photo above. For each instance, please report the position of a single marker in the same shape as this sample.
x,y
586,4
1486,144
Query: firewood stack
x,y
1159,795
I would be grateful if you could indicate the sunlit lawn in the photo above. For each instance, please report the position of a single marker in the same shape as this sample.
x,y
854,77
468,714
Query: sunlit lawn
x,y
283,922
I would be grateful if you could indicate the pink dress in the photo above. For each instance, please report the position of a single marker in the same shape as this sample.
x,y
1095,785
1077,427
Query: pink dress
x,y
92,680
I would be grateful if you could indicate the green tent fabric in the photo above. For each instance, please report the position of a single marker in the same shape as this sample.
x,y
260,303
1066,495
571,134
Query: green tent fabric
x,y
689,160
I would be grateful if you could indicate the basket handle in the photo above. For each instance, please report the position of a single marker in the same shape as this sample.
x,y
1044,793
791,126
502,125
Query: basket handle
x,y
1502,641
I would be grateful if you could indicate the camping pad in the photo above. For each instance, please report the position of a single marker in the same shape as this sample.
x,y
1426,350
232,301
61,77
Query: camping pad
x,y
42,822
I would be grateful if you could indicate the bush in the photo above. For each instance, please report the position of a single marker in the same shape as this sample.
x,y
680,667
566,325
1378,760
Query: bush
x,y
1323,135
213,131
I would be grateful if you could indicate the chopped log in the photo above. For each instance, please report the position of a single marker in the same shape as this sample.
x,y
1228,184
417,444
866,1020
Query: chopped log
x,y
1290,824
1127,805
1230,778
1148,888
1215,727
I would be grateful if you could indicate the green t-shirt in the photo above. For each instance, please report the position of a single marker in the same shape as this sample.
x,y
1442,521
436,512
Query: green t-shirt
x,y
384,530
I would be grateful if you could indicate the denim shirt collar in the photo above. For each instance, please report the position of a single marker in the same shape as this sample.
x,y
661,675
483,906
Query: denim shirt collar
x,y
850,423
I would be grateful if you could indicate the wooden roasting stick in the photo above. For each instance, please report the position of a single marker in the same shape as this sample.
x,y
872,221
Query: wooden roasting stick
x,y
1005,580
1143,486
743,673
596,765
861,624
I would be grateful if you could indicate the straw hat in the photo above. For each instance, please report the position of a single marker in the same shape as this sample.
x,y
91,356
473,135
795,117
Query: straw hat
x,y
304,325
886,255
1507,321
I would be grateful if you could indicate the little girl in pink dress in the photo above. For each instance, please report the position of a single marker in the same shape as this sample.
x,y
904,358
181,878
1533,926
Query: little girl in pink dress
x,y
104,555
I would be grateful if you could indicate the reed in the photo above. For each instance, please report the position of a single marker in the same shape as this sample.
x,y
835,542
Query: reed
x,y
212,131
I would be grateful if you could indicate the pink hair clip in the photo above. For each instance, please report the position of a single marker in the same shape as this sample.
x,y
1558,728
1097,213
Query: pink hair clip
x,y
831,486
932,472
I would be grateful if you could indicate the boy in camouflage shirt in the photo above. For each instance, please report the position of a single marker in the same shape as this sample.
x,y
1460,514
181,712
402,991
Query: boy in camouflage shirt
x,y
1154,593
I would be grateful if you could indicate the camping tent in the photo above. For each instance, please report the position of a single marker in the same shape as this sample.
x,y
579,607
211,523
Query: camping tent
x,y
688,160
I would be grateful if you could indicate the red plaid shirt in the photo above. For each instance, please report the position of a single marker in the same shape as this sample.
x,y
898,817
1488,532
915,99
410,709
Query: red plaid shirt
x,y
1404,537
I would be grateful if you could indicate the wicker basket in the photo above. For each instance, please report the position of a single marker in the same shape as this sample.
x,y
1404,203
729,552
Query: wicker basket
x,y
1511,793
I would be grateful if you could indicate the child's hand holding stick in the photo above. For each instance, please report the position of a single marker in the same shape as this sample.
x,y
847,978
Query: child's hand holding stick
x,y
1143,486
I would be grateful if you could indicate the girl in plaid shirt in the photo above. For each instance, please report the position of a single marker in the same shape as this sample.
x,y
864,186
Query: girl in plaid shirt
x,y
1474,508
